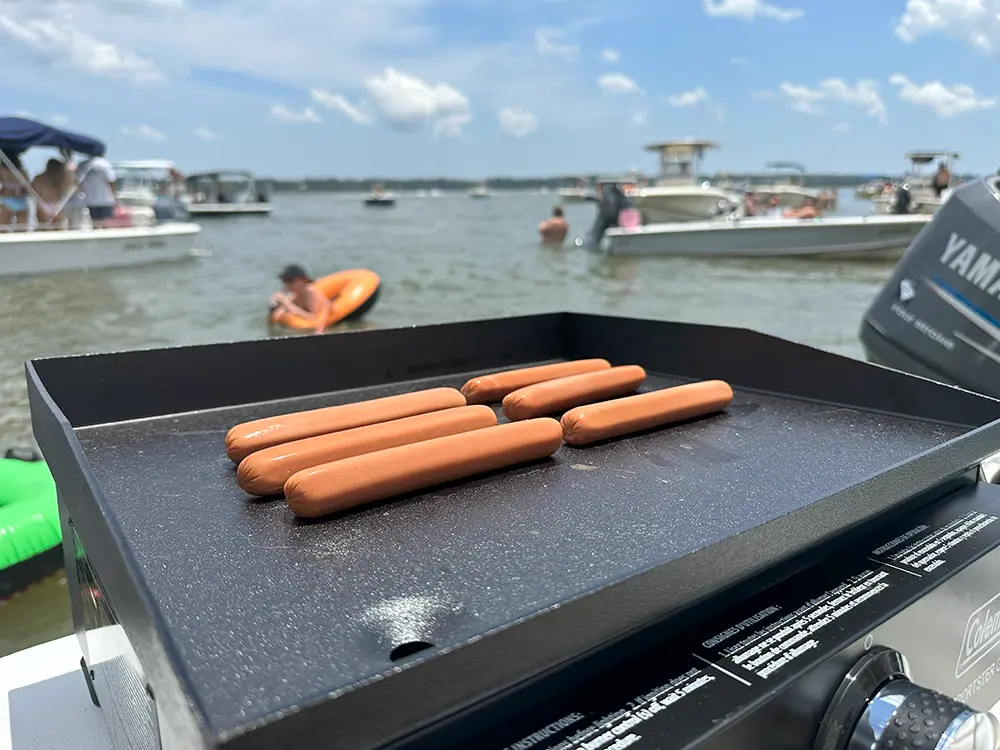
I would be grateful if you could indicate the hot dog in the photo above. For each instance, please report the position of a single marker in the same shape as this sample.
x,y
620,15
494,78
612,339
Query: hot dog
x,y
588,424
265,471
244,439
376,476
559,395
491,388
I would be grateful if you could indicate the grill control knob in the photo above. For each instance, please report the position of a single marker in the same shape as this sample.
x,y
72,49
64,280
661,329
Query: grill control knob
x,y
877,707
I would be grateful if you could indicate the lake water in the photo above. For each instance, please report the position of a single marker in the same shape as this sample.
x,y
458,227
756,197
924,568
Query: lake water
x,y
440,259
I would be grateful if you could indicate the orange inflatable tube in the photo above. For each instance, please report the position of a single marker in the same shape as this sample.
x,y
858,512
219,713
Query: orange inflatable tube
x,y
351,293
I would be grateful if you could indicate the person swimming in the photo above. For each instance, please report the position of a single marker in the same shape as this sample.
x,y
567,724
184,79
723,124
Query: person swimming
x,y
553,230
301,297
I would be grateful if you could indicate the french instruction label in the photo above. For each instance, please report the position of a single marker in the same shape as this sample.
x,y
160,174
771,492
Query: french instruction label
x,y
683,689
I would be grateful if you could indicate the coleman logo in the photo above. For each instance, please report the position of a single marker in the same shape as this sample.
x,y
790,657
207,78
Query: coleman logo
x,y
982,634
976,267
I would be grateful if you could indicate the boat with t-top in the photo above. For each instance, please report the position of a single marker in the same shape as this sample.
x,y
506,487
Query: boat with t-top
x,y
132,237
677,194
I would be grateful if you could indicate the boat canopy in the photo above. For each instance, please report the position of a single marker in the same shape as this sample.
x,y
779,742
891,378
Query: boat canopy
x,y
785,166
18,134
926,157
682,147
157,165
235,175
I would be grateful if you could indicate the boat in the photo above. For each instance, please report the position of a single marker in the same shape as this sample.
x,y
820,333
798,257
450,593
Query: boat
x,y
872,188
676,193
379,198
38,249
918,181
156,184
228,193
786,184
843,237
353,293
580,193
938,314
480,191
30,536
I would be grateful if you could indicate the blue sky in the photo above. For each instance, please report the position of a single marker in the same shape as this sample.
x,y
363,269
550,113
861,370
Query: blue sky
x,y
474,88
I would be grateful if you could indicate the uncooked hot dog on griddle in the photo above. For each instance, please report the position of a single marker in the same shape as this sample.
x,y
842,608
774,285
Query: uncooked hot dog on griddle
x,y
488,389
559,395
608,419
355,481
265,471
244,439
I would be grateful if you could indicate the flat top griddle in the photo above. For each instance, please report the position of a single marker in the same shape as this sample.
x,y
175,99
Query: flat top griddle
x,y
264,612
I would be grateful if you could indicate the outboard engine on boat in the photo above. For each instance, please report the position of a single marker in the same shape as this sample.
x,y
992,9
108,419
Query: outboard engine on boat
x,y
611,203
938,316
901,200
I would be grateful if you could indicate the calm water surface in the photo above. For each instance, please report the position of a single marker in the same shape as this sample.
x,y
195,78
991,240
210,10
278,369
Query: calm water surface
x,y
441,259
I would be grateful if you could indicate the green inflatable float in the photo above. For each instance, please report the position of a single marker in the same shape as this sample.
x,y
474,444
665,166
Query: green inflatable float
x,y
29,522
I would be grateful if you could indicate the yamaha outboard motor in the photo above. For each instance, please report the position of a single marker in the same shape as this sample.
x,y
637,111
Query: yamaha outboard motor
x,y
901,200
939,314
611,204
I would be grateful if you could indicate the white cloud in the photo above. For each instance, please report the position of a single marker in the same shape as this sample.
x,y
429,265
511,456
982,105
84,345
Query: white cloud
x,y
610,55
763,94
809,100
548,44
749,10
284,114
688,98
57,43
842,127
205,134
976,22
23,113
618,83
339,103
407,102
144,131
946,101
517,122
59,119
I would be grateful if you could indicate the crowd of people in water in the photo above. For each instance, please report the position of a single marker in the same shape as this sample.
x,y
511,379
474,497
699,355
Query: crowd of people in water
x,y
64,195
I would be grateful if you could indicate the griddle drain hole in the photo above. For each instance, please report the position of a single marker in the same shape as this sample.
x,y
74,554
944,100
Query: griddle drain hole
x,y
408,649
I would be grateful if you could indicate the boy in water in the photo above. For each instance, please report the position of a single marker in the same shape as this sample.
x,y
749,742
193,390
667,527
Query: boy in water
x,y
301,297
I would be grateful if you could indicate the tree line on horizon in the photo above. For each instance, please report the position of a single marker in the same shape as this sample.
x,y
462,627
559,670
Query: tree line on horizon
x,y
339,185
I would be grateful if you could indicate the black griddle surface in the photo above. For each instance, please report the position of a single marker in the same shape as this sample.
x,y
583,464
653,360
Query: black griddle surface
x,y
267,611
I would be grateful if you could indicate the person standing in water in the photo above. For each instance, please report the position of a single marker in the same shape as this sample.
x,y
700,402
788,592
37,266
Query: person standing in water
x,y
554,229
301,297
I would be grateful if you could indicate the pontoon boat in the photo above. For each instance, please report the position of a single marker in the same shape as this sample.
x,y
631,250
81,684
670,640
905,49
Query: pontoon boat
x,y
228,194
677,194
44,249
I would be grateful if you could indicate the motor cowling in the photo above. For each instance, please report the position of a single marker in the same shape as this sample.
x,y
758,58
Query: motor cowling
x,y
938,316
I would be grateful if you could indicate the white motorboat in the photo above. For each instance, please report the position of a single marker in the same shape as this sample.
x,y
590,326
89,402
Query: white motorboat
x,y
36,249
480,191
786,184
677,194
842,237
235,193
155,184
25,253
919,182
379,198
579,193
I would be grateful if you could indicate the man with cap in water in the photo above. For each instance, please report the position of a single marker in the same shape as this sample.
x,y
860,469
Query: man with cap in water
x,y
301,297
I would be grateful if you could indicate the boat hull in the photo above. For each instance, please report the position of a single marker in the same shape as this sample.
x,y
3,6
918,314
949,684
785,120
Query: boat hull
x,y
229,209
661,205
27,253
847,238
788,196
926,203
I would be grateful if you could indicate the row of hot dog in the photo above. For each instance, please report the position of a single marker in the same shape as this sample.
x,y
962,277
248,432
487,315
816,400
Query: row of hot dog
x,y
332,459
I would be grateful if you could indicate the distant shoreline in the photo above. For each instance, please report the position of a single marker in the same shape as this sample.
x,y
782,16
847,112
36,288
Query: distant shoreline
x,y
333,185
